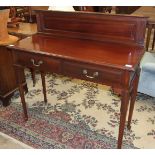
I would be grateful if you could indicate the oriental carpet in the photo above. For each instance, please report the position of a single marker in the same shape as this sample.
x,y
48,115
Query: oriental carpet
x,y
78,114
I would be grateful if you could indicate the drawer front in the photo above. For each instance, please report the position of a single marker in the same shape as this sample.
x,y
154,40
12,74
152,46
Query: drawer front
x,y
93,73
37,61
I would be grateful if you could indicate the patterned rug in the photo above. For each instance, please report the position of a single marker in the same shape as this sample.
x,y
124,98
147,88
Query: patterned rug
x,y
79,114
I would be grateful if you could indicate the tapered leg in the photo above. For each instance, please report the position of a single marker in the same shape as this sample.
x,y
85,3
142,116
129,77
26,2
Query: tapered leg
x,y
148,36
21,91
19,72
44,86
133,98
123,112
33,76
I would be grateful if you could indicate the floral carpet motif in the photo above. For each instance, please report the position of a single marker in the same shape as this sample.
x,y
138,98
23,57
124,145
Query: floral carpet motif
x,y
78,114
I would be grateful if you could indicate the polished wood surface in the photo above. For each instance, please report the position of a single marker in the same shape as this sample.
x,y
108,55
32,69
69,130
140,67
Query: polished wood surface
x,y
70,44
25,29
148,11
8,84
100,53
92,26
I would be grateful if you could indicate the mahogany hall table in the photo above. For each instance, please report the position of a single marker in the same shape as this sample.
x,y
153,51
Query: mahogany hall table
x,y
106,49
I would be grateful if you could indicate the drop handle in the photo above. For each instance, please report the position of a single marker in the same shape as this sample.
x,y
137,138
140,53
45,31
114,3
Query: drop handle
x,y
36,65
95,74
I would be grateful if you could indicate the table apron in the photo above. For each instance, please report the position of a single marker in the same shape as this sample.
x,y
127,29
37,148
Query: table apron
x,y
85,71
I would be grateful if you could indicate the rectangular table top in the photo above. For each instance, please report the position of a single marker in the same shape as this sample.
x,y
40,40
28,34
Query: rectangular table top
x,y
118,55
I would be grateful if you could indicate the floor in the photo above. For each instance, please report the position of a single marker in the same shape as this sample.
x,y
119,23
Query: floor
x,y
7,142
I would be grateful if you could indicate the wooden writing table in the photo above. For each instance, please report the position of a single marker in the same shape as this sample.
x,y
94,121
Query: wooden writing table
x,y
87,46
148,11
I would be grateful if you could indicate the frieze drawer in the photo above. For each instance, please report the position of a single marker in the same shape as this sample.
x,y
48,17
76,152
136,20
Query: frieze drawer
x,y
40,62
95,74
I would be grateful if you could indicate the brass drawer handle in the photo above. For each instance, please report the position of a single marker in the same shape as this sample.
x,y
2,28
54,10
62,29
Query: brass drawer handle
x,y
95,74
36,65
